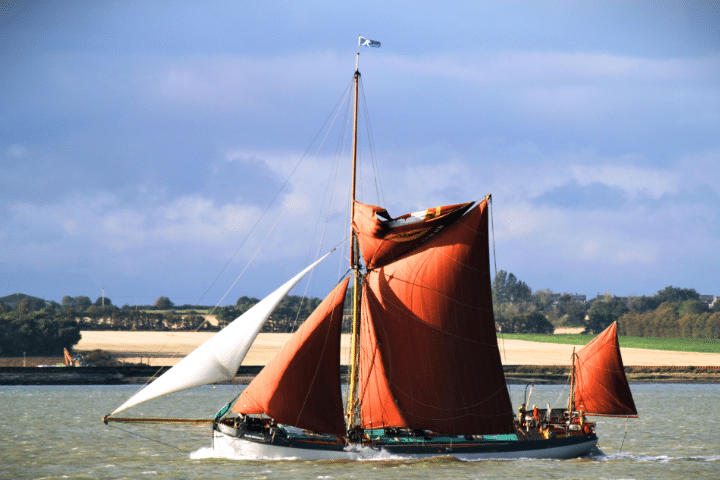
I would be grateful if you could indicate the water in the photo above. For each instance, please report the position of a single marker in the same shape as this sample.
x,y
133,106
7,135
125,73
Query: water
x,y
55,432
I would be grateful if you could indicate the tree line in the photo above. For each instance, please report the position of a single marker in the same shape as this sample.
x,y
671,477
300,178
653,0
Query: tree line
x,y
163,315
43,332
671,312
35,326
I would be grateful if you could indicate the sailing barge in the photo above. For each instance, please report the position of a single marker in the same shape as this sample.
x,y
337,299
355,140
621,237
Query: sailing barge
x,y
426,376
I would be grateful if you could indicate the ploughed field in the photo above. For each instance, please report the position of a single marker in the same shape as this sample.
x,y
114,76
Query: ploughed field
x,y
167,348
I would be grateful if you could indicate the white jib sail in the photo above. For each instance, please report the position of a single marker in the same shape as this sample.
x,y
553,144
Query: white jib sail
x,y
219,358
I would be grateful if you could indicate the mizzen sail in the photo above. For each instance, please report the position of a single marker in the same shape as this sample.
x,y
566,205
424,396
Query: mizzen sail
x,y
219,358
301,384
429,357
601,386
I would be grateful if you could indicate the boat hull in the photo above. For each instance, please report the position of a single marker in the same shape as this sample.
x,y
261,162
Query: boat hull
x,y
228,443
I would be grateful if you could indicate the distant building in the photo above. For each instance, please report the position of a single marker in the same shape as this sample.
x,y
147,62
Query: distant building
x,y
709,299
576,297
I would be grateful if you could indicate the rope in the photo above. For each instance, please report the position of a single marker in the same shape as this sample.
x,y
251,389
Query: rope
x,y
373,158
492,229
333,115
627,420
151,439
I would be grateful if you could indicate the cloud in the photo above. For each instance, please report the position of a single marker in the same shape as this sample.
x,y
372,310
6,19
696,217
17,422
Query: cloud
x,y
123,152
593,196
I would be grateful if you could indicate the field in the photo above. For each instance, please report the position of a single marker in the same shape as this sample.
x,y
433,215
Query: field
x,y
167,348
698,345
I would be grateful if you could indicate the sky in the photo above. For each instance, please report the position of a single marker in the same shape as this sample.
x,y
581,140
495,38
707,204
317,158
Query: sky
x,y
149,148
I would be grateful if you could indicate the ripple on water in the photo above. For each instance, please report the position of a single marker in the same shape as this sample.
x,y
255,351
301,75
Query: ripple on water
x,y
56,432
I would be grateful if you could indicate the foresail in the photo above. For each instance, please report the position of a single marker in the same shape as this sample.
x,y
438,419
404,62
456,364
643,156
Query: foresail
x,y
601,387
301,384
219,358
429,357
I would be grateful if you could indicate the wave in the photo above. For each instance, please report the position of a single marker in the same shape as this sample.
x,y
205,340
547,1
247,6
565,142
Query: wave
x,y
654,458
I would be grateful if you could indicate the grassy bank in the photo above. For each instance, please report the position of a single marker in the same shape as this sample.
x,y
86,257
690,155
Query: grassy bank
x,y
697,345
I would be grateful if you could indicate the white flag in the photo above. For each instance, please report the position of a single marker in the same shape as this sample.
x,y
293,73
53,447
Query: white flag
x,y
366,42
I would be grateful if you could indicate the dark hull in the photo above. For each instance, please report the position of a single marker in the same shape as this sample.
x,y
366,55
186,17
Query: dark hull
x,y
240,443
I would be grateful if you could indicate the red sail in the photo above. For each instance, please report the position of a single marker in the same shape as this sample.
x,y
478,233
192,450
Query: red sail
x,y
429,356
382,241
301,384
601,387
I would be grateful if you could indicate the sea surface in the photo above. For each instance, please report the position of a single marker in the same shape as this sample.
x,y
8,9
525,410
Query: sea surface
x,y
55,432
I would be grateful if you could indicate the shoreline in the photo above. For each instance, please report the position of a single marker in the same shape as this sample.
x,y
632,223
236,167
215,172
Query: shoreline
x,y
147,353
514,375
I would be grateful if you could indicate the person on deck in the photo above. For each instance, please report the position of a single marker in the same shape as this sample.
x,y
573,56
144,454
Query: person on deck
x,y
536,415
521,415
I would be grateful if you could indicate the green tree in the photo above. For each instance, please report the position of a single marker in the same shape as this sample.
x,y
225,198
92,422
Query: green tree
x,y
542,298
507,288
82,303
244,303
164,303
102,301
536,322
498,287
100,358
644,304
531,322
712,326
68,302
37,333
604,312
225,315
574,313
693,307
674,294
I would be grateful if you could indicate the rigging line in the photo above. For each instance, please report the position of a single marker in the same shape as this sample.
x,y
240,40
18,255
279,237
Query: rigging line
x,y
307,171
565,388
334,185
627,420
492,227
348,211
150,438
277,194
330,186
376,170
257,251
336,168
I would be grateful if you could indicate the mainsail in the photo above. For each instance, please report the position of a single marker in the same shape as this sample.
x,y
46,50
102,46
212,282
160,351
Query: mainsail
x,y
601,387
219,358
429,356
301,384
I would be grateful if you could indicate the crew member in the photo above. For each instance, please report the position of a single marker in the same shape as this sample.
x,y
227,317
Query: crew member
x,y
536,415
521,415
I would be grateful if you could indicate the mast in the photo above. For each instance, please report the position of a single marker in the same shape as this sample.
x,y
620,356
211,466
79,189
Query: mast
x,y
571,398
352,410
